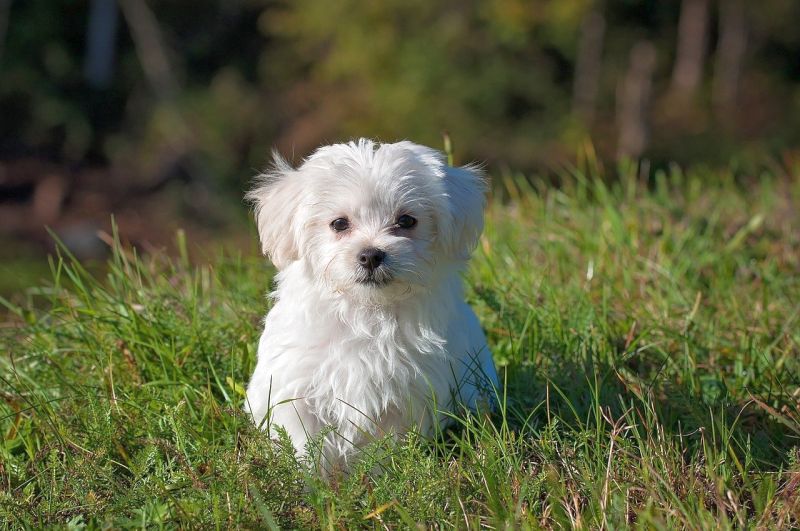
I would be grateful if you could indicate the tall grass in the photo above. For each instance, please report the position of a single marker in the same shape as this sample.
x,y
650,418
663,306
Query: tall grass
x,y
647,332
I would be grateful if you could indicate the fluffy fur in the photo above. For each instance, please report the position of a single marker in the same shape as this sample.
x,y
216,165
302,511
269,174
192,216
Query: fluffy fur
x,y
356,354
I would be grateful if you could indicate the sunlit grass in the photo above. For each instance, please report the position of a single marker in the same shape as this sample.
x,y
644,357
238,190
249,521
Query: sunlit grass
x,y
648,335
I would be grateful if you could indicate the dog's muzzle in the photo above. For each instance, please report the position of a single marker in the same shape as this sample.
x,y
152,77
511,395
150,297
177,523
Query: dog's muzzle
x,y
373,269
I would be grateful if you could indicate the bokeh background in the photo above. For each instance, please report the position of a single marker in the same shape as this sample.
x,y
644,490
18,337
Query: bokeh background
x,y
161,111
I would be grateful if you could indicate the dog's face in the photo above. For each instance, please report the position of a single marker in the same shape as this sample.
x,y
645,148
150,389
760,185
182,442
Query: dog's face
x,y
376,223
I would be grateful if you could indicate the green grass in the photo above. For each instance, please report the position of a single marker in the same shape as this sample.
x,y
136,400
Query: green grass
x,y
648,335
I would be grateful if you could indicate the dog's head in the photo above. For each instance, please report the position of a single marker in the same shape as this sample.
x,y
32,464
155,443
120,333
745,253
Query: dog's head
x,y
371,221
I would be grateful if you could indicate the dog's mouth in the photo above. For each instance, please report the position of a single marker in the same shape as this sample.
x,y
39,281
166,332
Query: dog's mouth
x,y
371,282
375,279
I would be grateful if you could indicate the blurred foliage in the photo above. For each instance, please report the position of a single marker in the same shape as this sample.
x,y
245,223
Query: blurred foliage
x,y
497,74
487,71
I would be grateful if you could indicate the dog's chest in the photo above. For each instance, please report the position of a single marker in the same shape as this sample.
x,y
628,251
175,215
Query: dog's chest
x,y
369,372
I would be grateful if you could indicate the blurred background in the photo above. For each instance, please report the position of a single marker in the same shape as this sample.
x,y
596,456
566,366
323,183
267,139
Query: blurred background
x,y
161,111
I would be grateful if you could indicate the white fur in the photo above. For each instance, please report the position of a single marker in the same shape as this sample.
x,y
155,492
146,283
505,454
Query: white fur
x,y
362,360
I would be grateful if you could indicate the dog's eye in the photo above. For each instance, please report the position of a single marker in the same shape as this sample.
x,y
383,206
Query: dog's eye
x,y
406,222
340,224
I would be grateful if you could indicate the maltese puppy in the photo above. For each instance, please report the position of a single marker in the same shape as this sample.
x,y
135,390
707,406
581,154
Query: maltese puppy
x,y
369,334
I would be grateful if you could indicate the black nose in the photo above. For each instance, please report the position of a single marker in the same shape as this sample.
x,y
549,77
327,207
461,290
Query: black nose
x,y
370,258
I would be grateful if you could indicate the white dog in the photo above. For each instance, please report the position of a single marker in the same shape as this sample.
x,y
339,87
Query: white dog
x,y
369,334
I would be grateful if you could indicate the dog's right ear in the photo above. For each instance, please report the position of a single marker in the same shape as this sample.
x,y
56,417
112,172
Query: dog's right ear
x,y
276,198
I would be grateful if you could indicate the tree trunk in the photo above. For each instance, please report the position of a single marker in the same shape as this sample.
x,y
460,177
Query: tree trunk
x,y
160,75
5,8
100,39
729,57
152,54
633,101
687,72
588,66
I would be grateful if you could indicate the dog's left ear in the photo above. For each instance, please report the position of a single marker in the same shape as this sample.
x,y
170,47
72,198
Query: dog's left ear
x,y
465,188
461,215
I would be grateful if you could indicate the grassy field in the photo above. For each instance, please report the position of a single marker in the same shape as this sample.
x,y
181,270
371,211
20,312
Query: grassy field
x,y
648,335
